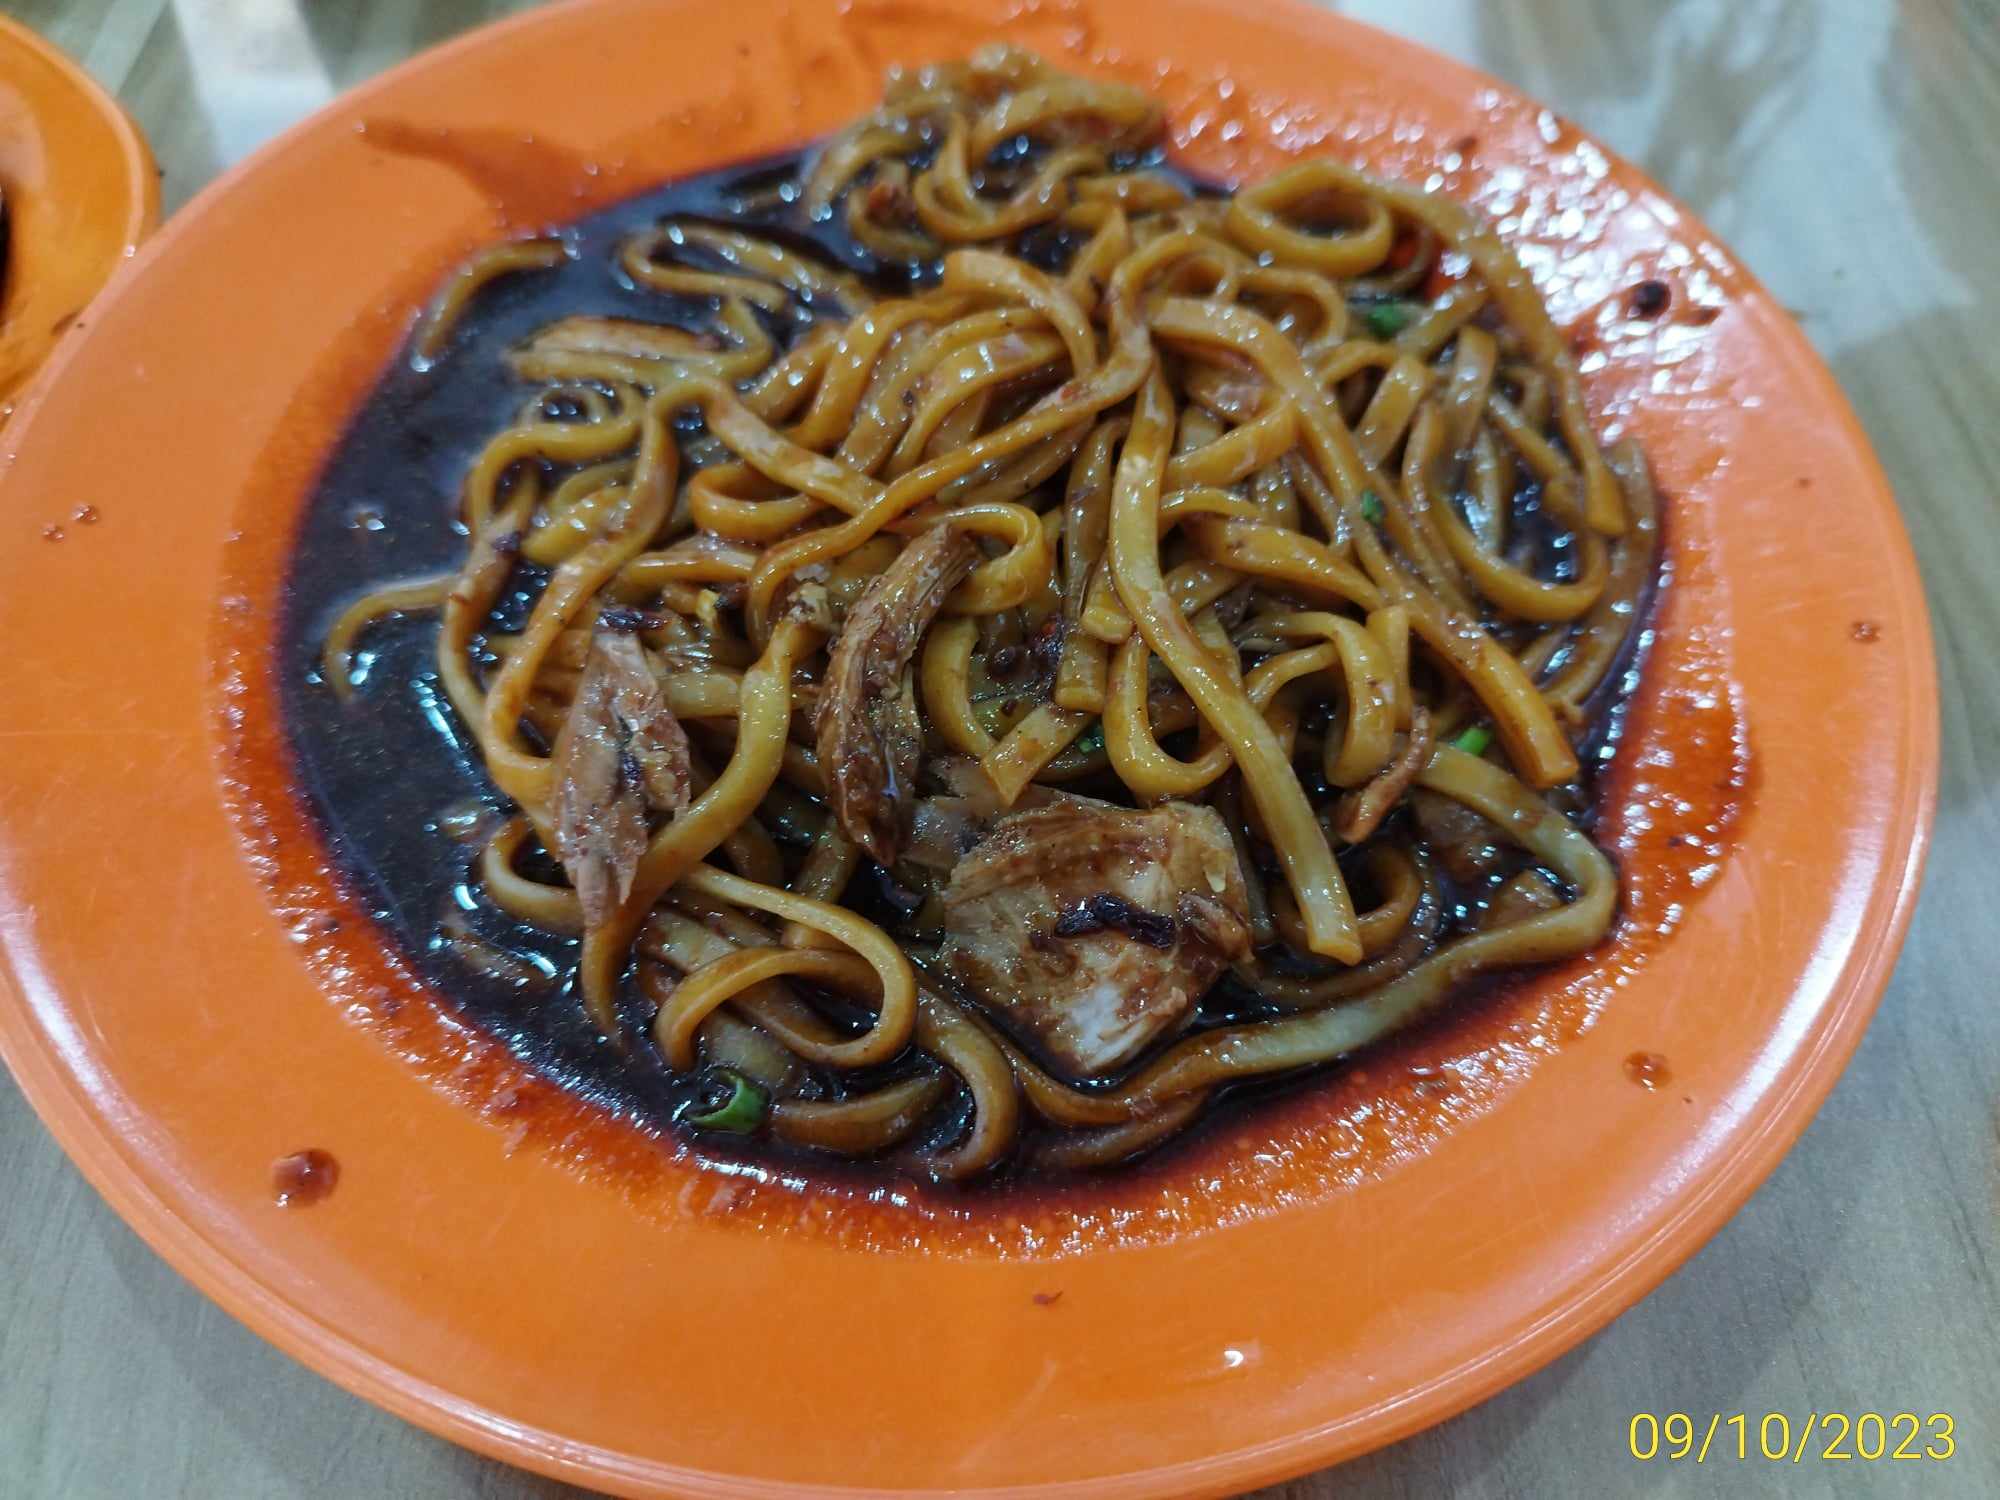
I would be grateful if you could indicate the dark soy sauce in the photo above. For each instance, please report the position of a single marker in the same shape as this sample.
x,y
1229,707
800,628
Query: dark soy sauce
x,y
390,774
393,779
304,1178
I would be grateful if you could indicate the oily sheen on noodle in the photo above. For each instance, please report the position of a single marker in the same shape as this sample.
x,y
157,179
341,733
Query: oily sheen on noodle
x,y
979,647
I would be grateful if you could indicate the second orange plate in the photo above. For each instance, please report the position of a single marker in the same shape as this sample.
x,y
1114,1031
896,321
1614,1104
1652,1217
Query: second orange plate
x,y
81,192
1315,1282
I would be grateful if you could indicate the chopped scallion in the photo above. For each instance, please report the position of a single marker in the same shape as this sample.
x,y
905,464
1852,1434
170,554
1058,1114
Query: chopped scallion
x,y
1387,319
741,1113
1474,740
1371,507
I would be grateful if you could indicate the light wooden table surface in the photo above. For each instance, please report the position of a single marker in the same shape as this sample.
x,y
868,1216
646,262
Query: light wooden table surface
x,y
1849,150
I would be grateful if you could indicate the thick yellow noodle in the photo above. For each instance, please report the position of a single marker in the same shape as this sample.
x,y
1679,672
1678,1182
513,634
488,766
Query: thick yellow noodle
x,y
1269,484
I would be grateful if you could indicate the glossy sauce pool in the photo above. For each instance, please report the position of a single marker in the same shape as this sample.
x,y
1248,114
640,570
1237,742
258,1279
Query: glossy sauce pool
x,y
391,790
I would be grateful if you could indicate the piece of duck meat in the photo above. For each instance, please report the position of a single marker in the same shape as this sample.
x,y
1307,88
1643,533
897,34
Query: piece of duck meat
x,y
1092,929
943,830
1468,846
959,805
1362,810
870,736
620,753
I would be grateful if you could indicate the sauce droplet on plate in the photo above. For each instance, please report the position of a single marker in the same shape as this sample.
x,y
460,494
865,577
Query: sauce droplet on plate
x,y
1647,1069
303,1178
1650,298
1866,631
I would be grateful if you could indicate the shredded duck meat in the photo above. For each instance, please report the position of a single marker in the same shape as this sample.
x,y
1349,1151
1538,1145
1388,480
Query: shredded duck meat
x,y
1094,929
870,735
620,753
1361,812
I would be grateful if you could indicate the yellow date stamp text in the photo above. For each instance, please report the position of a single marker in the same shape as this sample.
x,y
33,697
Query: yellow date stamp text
x,y
1778,1437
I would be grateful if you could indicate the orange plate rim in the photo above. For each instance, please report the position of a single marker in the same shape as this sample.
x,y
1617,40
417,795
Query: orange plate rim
x,y
42,1052
137,210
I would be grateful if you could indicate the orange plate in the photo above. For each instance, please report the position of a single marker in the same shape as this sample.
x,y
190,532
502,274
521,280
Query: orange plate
x,y
81,194
1306,1284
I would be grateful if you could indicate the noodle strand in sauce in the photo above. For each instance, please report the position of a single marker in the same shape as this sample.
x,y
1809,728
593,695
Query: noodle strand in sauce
x,y
1093,644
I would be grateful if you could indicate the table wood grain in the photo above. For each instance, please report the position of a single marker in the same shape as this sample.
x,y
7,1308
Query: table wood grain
x,y
1849,151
